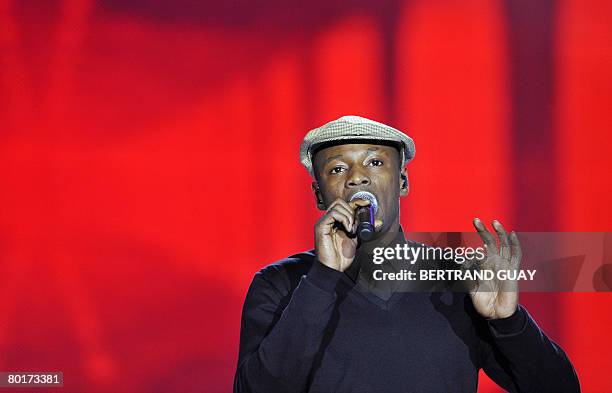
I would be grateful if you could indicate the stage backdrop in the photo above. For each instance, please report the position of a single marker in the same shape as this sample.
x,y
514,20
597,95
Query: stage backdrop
x,y
149,161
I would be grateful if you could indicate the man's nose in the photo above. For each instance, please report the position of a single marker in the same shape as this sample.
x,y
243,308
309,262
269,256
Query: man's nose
x,y
357,178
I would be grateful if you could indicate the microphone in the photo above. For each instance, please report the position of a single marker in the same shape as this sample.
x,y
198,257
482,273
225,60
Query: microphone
x,y
365,215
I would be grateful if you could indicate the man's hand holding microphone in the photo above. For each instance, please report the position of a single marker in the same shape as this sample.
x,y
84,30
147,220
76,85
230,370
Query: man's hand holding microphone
x,y
336,232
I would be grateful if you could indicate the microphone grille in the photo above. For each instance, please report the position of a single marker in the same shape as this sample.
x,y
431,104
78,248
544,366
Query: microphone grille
x,y
368,196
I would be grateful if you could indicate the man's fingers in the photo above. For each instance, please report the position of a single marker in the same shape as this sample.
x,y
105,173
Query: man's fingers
x,y
336,202
517,252
486,236
352,205
358,202
349,206
504,242
348,213
348,209
346,221
345,208
333,216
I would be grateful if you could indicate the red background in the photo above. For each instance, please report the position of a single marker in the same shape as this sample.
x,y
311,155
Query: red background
x,y
149,161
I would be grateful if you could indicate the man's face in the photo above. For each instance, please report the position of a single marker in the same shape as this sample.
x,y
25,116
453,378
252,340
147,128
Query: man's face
x,y
343,170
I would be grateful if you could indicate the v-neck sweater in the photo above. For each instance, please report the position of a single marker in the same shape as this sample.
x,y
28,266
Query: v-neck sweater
x,y
309,328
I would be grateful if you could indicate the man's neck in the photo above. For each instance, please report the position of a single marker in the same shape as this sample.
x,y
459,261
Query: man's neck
x,y
363,263
391,236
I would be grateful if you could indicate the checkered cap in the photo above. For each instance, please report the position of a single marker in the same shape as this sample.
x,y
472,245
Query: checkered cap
x,y
354,128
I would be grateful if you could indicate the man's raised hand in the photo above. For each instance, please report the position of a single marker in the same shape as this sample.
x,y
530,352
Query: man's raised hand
x,y
497,298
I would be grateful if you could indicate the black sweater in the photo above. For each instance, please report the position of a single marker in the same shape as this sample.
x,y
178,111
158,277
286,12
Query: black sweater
x,y
308,328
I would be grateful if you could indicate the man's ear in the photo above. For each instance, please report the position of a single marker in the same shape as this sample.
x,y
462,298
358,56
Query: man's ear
x,y
318,196
404,185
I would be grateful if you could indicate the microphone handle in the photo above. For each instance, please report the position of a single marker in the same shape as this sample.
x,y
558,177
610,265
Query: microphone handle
x,y
365,222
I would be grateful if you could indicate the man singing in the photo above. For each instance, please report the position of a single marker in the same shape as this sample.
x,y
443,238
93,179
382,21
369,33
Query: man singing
x,y
318,322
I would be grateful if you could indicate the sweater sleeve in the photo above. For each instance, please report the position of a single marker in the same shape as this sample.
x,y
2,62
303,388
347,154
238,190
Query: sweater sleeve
x,y
518,356
281,333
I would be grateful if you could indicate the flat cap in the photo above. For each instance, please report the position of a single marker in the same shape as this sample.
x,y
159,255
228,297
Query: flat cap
x,y
354,128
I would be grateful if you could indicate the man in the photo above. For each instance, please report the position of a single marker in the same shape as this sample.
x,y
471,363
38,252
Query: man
x,y
318,322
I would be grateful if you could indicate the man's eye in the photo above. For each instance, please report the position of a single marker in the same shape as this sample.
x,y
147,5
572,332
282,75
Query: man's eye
x,y
336,170
375,162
